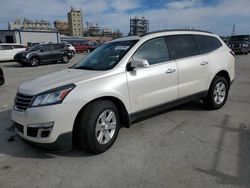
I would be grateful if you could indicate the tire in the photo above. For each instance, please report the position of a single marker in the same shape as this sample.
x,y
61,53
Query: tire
x,y
218,93
73,53
93,133
65,59
34,61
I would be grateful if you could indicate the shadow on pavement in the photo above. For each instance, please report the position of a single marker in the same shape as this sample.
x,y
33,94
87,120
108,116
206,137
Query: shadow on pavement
x,y
243,177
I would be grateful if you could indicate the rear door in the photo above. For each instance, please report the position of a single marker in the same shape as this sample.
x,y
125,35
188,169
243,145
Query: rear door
x,y
46,53
192,65
58,51
156,85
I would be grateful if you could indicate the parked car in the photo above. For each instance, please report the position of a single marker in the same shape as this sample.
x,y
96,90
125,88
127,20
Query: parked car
x,y
83,47
71,49
1,77
240,43
44,53
9,50
120,82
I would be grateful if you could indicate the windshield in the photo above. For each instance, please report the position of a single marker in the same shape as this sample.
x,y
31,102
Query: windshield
x,y
35,48
106,56
239,38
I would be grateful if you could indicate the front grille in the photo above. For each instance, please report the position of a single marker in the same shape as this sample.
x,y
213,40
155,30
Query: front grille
x,y
22,102
19,127
32,131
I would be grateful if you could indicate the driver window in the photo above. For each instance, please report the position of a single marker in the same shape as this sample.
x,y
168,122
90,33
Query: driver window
x,y
154,50
47,47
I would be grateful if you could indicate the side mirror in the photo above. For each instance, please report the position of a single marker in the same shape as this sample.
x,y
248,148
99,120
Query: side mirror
x,y
137,63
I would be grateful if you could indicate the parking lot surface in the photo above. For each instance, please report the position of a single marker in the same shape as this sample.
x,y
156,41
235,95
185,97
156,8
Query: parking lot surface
x,y
187,146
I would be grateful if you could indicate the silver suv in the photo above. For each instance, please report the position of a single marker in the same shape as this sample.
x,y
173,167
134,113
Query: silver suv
x,y
120,82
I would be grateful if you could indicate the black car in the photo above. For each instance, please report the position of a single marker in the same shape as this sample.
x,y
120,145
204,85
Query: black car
x,y
44,53
240,43
1,77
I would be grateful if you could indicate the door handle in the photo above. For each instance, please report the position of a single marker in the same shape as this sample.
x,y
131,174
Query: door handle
x,y
169,71
204,63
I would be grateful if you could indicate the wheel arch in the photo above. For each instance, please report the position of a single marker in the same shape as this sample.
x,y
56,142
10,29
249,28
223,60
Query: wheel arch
x,y
123,113
224,74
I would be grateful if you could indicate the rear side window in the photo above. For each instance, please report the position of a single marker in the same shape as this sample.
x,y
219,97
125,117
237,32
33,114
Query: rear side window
x,y
207,43
183,46
154,50
58,46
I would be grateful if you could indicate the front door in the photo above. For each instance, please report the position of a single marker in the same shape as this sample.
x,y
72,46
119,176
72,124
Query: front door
x,y
156,85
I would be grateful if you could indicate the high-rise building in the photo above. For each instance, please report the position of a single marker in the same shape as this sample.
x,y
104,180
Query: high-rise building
x,y
75,21
138,26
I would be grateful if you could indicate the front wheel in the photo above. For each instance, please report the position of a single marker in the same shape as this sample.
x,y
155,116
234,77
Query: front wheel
x,y
98,126
218,93
34,61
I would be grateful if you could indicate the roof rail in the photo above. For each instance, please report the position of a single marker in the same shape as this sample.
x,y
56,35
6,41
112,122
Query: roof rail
x,y
168,30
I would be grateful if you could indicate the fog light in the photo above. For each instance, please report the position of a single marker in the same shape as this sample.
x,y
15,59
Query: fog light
x,y
42,125
42,130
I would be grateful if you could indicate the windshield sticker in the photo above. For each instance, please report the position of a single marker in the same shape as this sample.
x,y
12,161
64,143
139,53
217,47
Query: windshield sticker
x,y
121,47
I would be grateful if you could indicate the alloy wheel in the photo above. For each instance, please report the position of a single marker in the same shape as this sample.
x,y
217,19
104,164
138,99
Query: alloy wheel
x,y
106,126
219,93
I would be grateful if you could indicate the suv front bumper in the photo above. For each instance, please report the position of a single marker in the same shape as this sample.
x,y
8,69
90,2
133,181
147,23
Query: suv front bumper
x,y
47,126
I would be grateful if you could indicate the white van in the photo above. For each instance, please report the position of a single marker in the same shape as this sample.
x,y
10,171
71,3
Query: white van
x,y
9,50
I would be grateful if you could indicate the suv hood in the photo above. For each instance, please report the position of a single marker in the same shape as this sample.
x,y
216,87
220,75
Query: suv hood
x,y
57,79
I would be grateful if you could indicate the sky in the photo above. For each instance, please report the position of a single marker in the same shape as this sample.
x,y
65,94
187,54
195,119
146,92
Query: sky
x,y
217,16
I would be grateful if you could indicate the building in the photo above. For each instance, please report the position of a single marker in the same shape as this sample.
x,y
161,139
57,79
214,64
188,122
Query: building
x,y
62,27
106,32
28,24
28,37
138,26
75,21
92,30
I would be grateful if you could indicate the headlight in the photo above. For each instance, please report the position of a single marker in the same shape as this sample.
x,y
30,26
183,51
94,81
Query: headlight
x,y
244,45
54,96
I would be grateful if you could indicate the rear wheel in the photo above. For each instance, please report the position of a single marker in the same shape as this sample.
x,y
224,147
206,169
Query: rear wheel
x,y
218,93
65,59
98,126
34,61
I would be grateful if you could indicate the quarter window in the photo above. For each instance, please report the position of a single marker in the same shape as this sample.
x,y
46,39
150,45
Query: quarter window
x,y
154,50
207,43
183,46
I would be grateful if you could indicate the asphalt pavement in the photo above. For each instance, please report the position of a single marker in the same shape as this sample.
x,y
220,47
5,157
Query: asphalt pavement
x,y
188,146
